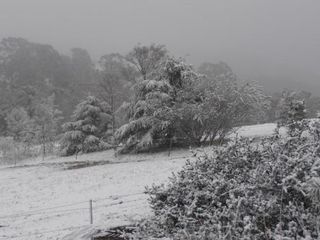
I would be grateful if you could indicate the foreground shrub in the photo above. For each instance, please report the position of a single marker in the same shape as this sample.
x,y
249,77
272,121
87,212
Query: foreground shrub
x,y
246,190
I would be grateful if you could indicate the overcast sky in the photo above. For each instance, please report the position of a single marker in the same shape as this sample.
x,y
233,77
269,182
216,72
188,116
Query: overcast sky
x,y
273,41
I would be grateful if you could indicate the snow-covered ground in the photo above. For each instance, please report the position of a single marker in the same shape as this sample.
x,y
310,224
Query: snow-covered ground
x,y
49,200
31,196
252,131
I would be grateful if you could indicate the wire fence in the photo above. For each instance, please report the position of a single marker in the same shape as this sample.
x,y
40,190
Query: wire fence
x,y
116,200
69,208
42,232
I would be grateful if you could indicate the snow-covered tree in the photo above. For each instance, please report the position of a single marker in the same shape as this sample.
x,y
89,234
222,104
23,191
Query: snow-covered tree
x,y
185,107
151,112
215,103
88,131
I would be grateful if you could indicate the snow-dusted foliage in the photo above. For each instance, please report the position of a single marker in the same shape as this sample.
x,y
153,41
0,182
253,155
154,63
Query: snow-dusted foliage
x,y
246,190
88,130
182,106
292,108
208,109
151,115
292,111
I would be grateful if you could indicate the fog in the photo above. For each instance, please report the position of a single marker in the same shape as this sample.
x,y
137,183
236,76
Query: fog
x,y
274,42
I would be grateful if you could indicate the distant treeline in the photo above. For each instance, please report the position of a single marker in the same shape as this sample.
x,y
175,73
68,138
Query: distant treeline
x,y
40,89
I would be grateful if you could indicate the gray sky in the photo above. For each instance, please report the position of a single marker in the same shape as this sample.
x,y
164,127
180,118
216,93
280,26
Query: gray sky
x,y
274,41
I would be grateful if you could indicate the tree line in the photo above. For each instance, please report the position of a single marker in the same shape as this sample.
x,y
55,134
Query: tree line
x,y
144,100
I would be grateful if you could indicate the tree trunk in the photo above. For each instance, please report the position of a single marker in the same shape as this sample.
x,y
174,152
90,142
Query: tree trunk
x,y
112,112
43,144
43,150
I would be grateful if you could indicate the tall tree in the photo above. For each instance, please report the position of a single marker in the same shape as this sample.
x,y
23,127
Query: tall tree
x,y
116,79
46,118
83,72
147,58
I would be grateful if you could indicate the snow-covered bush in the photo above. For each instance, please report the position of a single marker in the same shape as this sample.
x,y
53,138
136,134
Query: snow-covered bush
x,y
246,190
292,110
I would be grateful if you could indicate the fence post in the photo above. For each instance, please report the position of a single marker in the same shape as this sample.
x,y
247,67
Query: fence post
x,y
115,152
170,146
91,213
91,216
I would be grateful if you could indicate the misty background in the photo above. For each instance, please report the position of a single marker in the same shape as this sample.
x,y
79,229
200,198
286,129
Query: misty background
x,y
276,43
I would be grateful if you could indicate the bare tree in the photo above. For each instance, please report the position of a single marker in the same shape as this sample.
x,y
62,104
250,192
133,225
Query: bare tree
x,y
47,118
116,77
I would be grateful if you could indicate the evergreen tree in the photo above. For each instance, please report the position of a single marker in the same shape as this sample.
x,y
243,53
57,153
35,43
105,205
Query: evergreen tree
x,y
88,131
151,116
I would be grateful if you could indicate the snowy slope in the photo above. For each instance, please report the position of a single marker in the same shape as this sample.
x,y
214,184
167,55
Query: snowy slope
x,y
47,200
118,189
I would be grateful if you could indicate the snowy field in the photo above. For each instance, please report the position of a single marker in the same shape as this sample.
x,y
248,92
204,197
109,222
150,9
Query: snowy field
x,y
50,199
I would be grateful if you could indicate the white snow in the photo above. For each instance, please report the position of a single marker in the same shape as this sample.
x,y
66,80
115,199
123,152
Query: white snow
x,y
31,195
48,201
260,130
